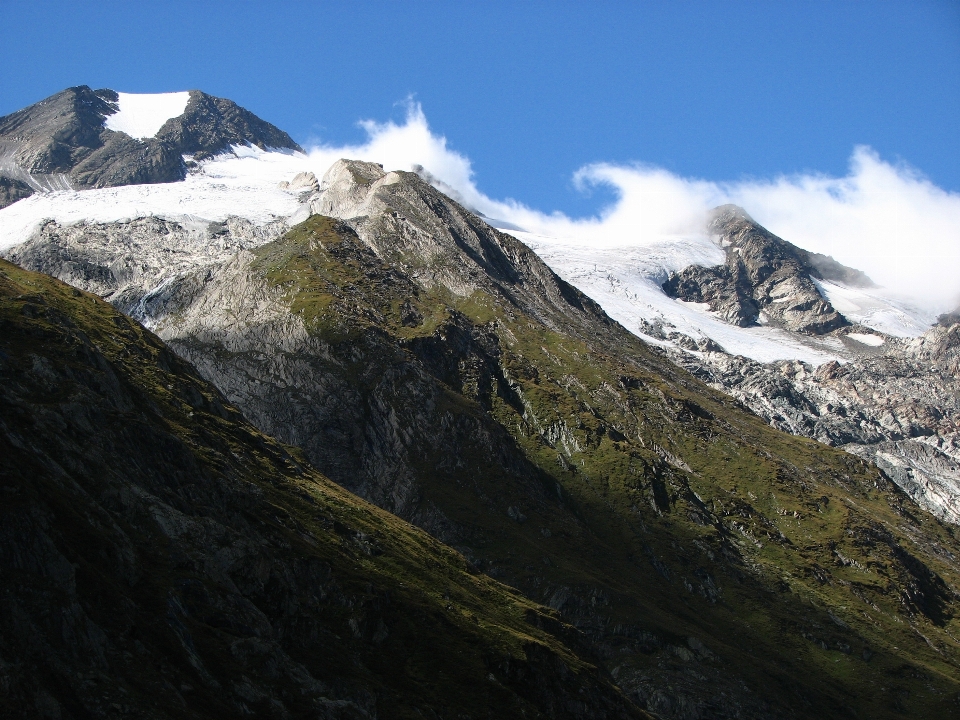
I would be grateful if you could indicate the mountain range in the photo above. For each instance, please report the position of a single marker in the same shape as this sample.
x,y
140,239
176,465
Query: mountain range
x,y
335,446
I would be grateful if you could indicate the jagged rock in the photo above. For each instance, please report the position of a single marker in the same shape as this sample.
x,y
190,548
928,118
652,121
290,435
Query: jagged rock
x,y
13,190
765,279
302,182
950,318
133,263
899,407
61,142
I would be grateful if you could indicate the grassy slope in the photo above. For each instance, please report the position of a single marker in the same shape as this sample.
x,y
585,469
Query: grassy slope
x,y
794,563
100,419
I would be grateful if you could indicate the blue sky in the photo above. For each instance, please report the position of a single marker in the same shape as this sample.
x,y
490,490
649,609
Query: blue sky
x,y
530,91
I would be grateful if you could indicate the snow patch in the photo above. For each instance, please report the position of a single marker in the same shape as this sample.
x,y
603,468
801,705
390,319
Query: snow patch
x,y
142,116
241,183
877,308
871,340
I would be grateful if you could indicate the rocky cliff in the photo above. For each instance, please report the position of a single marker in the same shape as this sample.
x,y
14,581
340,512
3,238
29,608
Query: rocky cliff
x,y
436,366
898,407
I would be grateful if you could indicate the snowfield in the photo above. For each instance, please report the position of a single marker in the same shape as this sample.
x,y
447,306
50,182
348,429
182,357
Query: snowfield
x,y
241,184
141,116
625,281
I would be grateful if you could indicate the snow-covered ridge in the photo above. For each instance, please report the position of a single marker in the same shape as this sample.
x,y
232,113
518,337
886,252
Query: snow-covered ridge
x,y
242,183
625,281
141,115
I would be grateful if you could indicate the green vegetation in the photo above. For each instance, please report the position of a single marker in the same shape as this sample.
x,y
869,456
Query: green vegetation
x,y
214,572
672,526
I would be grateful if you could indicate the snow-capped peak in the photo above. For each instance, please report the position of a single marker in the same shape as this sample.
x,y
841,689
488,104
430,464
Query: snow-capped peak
x,y
142,116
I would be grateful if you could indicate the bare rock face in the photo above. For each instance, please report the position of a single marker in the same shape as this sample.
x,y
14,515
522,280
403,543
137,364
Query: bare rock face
x,y
12,190
950,318
899,408
411,225
61,142
302,182
134,264
765,279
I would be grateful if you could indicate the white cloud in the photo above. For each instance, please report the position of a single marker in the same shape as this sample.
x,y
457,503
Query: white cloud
x,y
885,219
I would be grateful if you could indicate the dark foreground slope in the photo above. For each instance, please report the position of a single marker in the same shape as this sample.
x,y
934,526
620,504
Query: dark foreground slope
x,y
161,558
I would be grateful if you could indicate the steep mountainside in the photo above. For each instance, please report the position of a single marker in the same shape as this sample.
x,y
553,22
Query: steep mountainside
x,y
436,366
62,142
161,558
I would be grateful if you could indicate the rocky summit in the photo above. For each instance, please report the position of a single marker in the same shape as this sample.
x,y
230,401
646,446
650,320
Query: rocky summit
x,y
380,460
64,142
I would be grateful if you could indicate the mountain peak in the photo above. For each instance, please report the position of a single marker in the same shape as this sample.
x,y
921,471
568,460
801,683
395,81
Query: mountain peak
x,y
765,279
722,215
82,138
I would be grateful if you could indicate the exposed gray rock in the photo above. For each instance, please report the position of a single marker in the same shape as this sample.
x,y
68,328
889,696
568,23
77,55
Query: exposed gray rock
x,y
12,190
765,279
413,226
302,182
950,318
133,264
61,142
898,407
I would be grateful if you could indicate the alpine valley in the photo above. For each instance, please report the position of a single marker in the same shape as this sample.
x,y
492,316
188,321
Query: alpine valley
x,y
322,442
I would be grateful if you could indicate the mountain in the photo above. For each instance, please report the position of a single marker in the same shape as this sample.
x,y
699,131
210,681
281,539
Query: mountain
x,y
162,558
716,566
438,368
763,279
882,384
66,141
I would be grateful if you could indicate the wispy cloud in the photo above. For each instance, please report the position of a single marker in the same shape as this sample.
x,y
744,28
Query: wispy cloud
x,y
886,219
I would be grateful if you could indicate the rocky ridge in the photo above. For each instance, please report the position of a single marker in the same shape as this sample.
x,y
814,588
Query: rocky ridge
x,y
437,367
62,143
764,279
898,407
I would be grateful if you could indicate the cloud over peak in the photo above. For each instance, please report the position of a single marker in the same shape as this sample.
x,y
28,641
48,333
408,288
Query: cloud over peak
x,y
885,219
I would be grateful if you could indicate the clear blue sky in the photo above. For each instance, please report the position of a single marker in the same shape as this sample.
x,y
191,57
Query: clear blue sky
x,y
531,91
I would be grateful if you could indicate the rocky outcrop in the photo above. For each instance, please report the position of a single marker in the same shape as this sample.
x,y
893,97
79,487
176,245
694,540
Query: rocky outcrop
x,y
13,190
764,280
950,318
133,263
61,142
303,182
440,244
160,557
899,408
